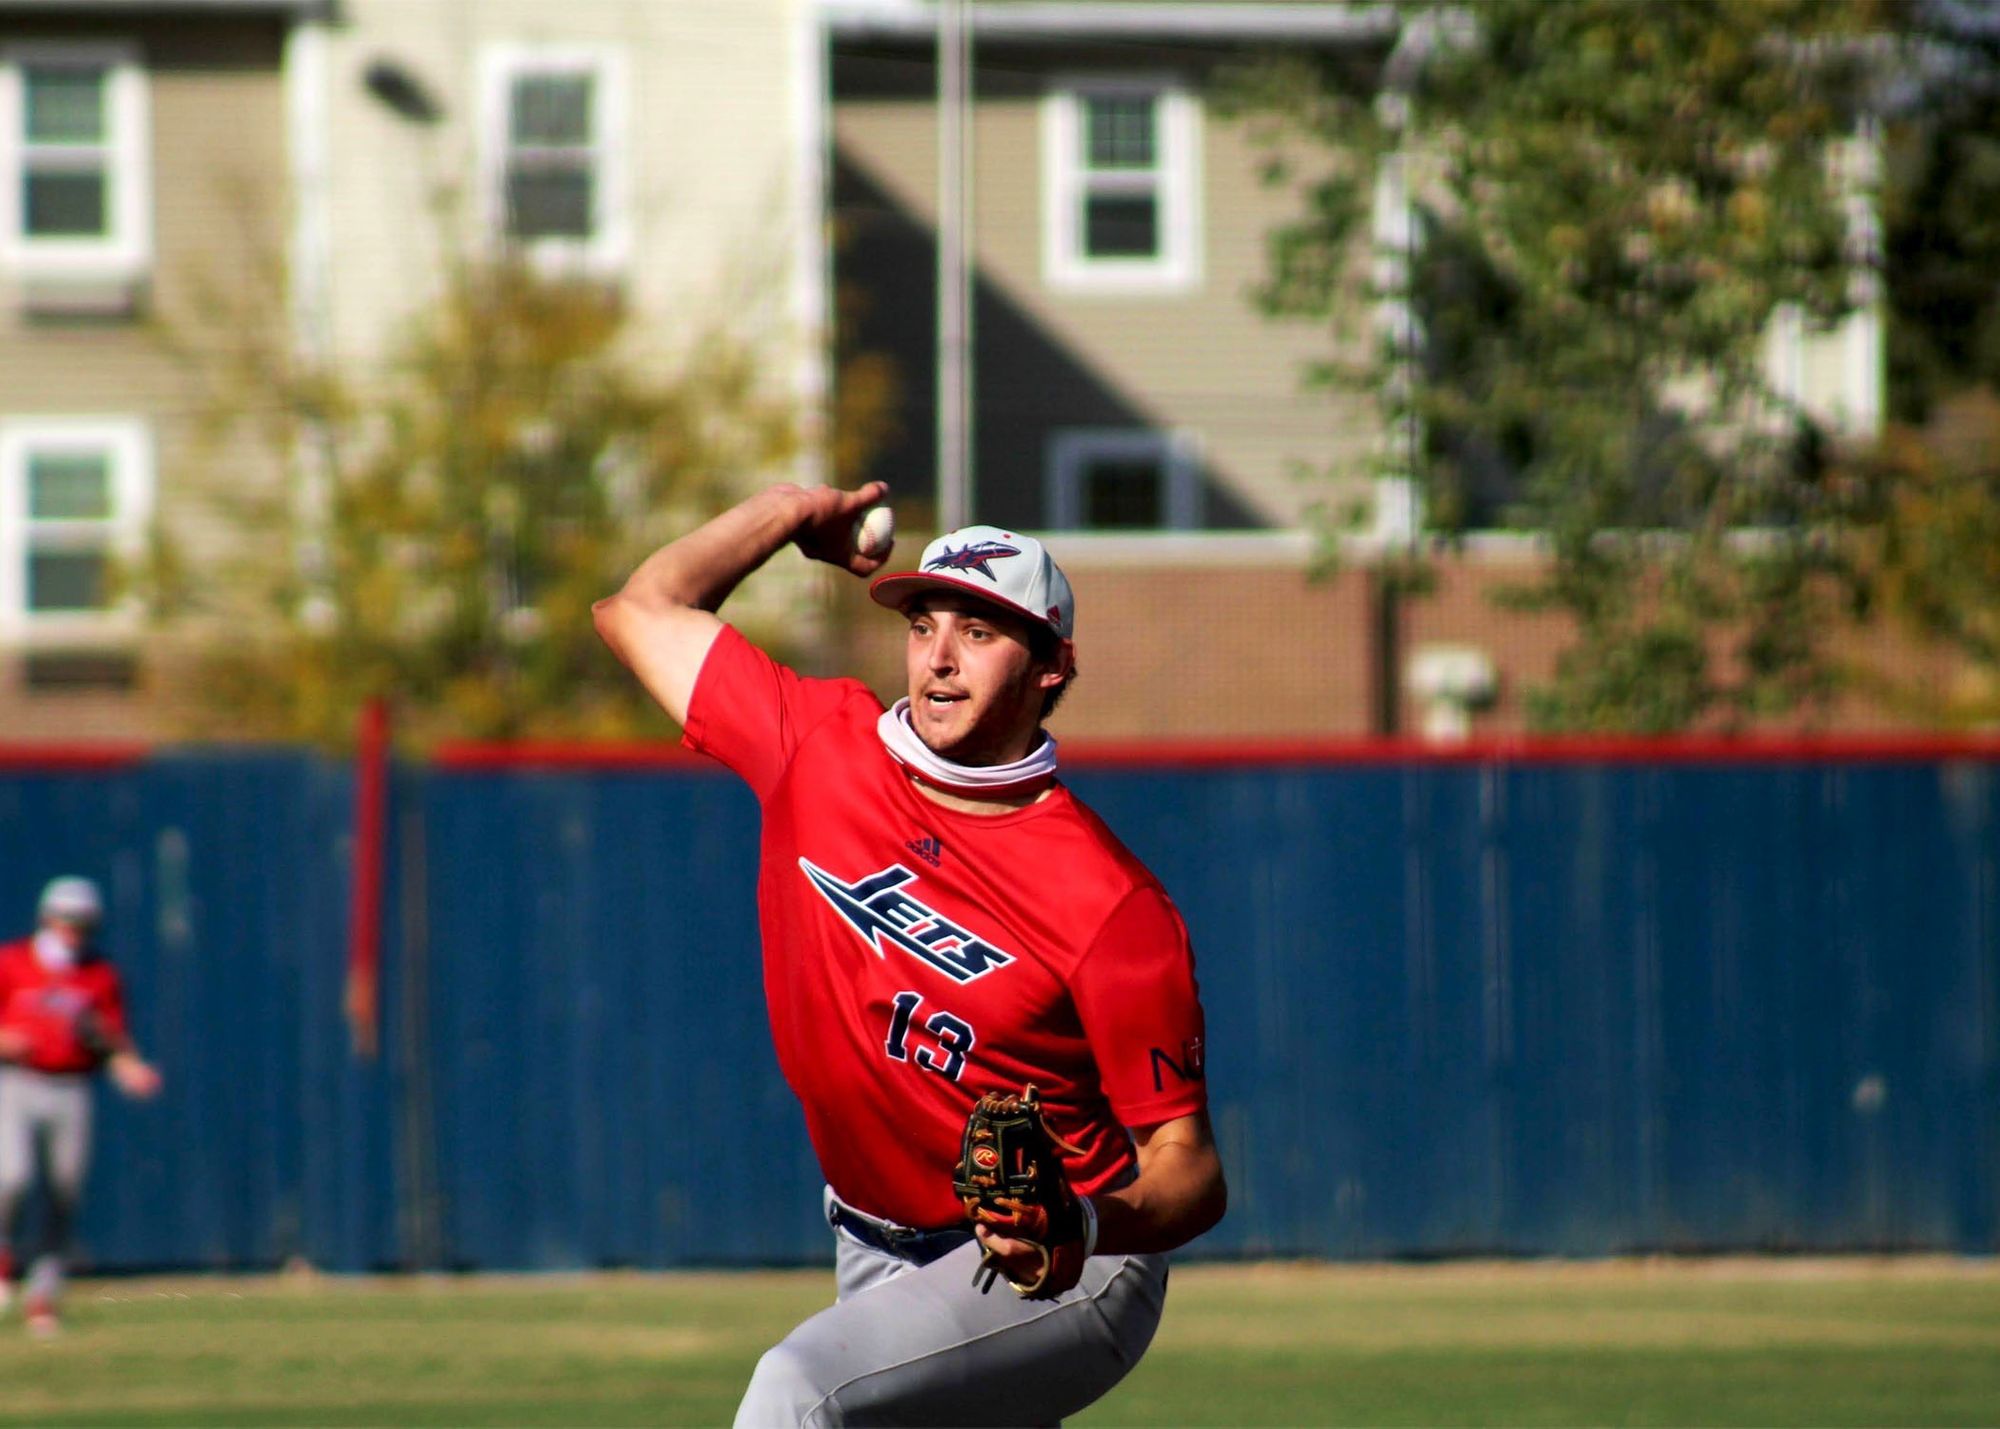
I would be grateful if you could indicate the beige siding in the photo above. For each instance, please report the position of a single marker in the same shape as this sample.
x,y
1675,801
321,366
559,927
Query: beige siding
x,y
725,234
712,154
218,179
720,108
1205,360
218,165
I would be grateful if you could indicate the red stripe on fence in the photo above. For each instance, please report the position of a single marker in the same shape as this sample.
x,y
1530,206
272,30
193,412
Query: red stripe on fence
x,y
70,758
1084,753
1581,749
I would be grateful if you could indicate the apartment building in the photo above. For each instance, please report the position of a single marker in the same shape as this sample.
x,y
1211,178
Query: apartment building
x,y
142,159
1132,405
748,166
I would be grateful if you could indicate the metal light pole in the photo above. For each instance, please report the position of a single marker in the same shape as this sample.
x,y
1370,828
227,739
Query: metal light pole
x,y
954,271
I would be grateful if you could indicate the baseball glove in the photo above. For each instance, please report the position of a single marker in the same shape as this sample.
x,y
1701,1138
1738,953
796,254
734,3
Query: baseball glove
x,y
1011,1179
91,1035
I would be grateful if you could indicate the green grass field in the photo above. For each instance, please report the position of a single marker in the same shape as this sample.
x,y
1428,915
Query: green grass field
x,y
1674,1342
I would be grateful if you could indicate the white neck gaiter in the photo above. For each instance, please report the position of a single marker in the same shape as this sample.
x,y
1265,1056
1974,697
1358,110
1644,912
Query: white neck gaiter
x,y
53,953
908,750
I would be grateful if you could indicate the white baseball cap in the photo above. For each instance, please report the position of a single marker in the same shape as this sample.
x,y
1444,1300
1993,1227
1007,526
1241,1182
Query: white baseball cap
x,y
1004,567
74,900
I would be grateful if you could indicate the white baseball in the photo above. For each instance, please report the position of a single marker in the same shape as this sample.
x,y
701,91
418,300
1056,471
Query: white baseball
x,y
875,531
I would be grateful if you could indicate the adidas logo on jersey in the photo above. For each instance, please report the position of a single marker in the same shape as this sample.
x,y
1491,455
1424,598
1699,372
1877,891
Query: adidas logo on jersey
x,y
885,917
929,850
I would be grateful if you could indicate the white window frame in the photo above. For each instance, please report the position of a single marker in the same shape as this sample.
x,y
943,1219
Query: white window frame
x,y
128,443
1066,267
125,253
608,249
1071,450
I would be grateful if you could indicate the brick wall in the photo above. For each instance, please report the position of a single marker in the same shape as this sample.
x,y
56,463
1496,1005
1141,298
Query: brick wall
x,y
1259,649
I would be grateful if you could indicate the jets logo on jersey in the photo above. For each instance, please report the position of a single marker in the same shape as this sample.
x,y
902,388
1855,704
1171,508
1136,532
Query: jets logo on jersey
x,y
973,557
884,916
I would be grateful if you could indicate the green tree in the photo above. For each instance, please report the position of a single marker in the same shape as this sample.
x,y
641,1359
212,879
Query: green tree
x,y
1933,483
1936,549
1615,198
511,464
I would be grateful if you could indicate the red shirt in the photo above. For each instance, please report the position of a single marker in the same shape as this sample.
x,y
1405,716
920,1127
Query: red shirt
x,y
916,957
47,1005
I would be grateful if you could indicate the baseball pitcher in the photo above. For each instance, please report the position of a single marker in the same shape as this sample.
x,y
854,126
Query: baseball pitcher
x,y
984,1002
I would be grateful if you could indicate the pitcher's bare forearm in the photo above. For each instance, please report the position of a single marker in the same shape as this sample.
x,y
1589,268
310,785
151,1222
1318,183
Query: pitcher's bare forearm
x,y
1178,1194
663,621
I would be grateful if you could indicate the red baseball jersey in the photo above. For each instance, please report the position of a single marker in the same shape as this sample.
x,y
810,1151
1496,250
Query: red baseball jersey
x,y
916,957
48,1005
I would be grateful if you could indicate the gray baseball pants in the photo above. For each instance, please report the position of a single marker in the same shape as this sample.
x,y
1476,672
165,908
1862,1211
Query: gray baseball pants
x,y
53,1109
918,1344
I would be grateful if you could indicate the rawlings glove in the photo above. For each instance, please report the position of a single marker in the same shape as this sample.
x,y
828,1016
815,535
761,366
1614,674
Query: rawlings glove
x,y
1011,1180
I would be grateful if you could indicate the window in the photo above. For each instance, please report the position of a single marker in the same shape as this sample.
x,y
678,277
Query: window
x,y
74,499
1123,479
1119,186
75,195
554,136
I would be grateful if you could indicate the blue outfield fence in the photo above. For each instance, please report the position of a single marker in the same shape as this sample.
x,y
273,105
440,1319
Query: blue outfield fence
x,y
1554,1007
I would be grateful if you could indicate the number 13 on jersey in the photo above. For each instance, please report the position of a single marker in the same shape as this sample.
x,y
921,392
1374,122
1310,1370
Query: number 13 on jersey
x,y
953,1036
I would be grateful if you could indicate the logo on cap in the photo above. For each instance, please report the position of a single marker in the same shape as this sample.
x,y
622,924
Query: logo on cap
x,y
972,558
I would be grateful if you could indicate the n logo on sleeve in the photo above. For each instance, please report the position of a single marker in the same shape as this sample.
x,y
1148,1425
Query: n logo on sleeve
x,y
884,916
1191,1066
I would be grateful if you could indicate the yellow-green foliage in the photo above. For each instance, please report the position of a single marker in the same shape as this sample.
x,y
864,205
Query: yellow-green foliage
x,y
450,517
1616,197
1939,566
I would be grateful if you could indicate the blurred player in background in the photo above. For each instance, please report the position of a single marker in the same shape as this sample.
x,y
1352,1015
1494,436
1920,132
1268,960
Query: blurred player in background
x,y
941,919
62,1018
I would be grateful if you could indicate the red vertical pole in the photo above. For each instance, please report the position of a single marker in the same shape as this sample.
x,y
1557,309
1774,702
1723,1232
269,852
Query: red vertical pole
x,y
364,923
